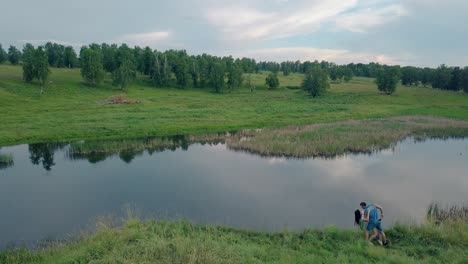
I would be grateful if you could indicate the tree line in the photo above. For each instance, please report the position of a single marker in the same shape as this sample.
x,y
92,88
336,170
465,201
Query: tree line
x,y
173,68
176,68
442,77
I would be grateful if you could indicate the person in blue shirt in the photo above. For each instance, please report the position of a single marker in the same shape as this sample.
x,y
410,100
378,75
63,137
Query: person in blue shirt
x,y
374,220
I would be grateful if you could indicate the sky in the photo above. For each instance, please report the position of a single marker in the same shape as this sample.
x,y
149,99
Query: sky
x,y
404,32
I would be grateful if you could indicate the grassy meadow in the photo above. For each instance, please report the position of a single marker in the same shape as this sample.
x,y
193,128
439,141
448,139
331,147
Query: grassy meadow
x,y
69,110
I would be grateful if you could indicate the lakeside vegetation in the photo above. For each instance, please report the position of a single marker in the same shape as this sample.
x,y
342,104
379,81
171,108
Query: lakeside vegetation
x,y
70,110
338,138
318,140
152,241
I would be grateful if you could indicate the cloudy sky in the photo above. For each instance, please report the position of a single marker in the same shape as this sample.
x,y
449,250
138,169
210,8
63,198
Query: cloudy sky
x,y
406,32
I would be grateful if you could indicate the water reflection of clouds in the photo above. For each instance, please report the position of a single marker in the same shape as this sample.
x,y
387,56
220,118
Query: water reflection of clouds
x,y
274,161
343,168
209,183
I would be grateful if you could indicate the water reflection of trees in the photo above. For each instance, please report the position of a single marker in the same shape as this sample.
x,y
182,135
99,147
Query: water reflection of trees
x,y
43,153
6,161
128,149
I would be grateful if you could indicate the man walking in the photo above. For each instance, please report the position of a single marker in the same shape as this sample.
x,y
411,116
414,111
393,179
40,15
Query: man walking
x,y
371,216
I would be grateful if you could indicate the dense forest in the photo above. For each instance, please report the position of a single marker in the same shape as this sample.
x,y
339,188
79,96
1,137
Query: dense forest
x,y
176,68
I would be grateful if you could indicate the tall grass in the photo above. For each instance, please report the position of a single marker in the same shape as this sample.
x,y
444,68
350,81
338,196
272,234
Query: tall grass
x,y
438,214
183,242
331,139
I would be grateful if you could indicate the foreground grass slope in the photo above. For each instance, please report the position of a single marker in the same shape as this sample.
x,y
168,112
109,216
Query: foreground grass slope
x,y
183,242
70,110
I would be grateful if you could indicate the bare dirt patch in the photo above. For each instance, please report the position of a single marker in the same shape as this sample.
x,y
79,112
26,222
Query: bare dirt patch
x,y
119,99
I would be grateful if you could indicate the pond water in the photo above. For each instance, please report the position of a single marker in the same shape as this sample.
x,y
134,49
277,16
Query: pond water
x,y
49,192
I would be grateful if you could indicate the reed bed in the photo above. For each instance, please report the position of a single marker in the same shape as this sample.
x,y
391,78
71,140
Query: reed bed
x,y
438,214
354,136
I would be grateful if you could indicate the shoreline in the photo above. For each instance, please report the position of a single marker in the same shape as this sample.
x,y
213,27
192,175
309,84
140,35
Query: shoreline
x,y
326,140
184,242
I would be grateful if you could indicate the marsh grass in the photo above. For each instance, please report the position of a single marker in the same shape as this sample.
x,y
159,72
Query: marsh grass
x,y
452,214
353,136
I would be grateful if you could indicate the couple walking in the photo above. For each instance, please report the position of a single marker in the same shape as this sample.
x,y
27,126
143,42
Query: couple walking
x,y
370,215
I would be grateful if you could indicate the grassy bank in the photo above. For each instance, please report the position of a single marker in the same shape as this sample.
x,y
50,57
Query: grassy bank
x,y
183,242
70,110
330,139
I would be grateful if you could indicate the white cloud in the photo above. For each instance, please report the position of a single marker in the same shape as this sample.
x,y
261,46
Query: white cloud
x,y
243,23
246,23
144,39
340,56
362,20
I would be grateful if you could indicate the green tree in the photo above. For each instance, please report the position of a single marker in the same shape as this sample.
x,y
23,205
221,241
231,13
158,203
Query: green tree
x,y
336,73
441,77
125,73
204,63
28,62
55,54
109,56
146,61
286,67
161,71
91,66
272,81
455,79
70,59
316,82
41,67
426,76
348,75
14,55
464,80
195,71
216,76
3,54
234,74
410,76
180,64
248,65
35,65
387,79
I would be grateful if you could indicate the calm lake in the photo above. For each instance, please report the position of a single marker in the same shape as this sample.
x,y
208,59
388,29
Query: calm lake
x,y
49,192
